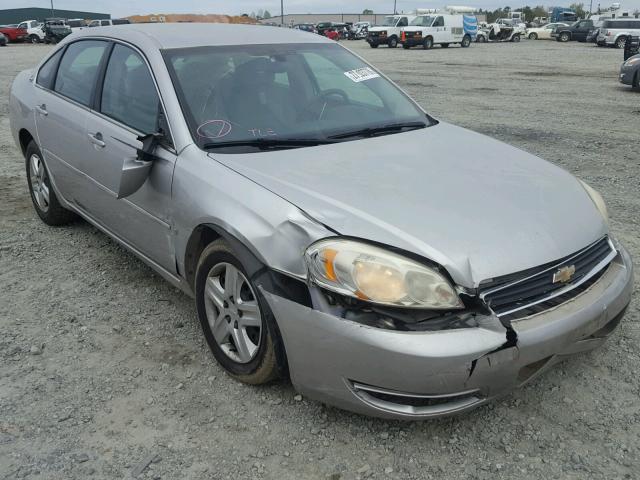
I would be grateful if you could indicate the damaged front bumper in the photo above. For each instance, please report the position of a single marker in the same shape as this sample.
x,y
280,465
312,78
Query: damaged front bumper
x,y
413,375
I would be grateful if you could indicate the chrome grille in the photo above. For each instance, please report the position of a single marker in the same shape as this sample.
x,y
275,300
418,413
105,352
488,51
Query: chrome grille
x,y
535,290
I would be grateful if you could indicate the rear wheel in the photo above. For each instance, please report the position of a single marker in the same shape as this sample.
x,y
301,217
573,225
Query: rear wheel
x,y
466,41
393,42
620,42
564,37
516,38
34,38
43,197
533,36
427,44
235,319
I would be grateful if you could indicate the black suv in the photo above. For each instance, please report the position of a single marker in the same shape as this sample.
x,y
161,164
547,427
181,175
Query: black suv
x,y
576,31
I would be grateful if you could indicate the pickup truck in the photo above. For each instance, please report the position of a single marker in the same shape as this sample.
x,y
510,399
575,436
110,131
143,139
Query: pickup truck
x,y
14,34
576,31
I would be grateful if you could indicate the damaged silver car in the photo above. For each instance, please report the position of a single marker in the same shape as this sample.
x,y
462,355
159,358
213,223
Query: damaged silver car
x,y
330,230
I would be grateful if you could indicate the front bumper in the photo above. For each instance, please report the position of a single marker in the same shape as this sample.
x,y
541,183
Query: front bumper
x,y
377,39
413,375
627,75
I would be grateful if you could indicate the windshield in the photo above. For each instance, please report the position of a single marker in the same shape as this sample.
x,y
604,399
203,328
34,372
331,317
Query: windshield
x,y
422,21
389,22
282,92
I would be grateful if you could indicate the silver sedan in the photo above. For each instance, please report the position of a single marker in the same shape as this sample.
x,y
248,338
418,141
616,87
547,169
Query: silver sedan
x,y
329,229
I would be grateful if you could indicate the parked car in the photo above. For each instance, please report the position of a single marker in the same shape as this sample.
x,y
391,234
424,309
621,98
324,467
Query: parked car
x,y
543,33
109,22
34,30
306,27
14,34
630,72
76,24
388,33
3,40
443,30
614,32
577,31
500,32
55,30
277,207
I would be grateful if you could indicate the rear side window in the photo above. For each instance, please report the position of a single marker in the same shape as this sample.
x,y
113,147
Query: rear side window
x,y
129,94
46,74
78,70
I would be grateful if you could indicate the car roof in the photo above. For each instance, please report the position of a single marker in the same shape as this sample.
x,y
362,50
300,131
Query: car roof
x,y
184,35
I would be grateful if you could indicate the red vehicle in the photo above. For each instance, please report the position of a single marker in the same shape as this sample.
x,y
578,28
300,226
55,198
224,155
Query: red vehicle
x,y
332,34
14,34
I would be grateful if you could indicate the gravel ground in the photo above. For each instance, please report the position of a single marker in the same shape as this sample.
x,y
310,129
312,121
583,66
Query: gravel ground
x,y
104,372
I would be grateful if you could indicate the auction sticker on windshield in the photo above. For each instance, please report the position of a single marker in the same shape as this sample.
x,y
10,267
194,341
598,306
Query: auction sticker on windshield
x,y
361,74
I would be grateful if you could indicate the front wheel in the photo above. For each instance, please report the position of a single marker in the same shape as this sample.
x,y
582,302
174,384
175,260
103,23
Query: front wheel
x,y
235,318
427,44
466,41
373,45
620,42
393,42
516,38
533,36
44,199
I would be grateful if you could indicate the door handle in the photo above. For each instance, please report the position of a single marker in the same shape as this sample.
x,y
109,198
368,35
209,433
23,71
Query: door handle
x,y
96,139
42,110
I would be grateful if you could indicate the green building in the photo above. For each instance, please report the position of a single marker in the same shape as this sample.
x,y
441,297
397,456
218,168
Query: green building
x,y
10,16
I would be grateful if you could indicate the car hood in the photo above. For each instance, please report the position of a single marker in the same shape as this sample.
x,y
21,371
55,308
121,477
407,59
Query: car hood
x,y
476,206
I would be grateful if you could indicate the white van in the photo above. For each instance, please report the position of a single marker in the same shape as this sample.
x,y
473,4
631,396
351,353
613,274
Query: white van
x,y
389,32
614,31
429,30
109,22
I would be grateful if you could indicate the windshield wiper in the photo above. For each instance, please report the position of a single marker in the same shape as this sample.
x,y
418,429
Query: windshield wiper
x,y
382,130
268,143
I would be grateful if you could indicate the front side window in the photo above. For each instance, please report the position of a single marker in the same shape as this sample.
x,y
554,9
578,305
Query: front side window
x,y
46,74
129,94
299,91
79,69
389,22
422,21
439,22
403,22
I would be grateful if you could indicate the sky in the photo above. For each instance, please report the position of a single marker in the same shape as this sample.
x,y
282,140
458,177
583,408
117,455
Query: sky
x,y
122,8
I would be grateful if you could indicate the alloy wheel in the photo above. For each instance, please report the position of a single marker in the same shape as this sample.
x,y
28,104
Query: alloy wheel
x,y
39,182
233,312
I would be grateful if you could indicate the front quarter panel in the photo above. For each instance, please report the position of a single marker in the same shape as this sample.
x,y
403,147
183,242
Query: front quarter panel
x,y
206,192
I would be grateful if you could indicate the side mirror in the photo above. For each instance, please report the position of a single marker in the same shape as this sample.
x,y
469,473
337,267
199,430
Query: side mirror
x,y
135,170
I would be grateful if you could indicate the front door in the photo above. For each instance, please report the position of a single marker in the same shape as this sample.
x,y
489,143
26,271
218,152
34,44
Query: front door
x,y
128,107
440,35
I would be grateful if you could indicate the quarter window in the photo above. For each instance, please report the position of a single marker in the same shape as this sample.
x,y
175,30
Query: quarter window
x,y
46,74
79,69
129,94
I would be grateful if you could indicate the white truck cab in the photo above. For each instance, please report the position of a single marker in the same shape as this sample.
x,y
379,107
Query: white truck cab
x,y
441,29
34,30
388,33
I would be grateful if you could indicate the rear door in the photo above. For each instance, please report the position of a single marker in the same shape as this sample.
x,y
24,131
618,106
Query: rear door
x,y
65,92
127,107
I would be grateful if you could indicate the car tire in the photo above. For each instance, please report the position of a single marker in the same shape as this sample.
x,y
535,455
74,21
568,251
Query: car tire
x,y
393,42
44,199
34,38
373,45
516,38
620,41
533,36
564,37
466,41
255,362
427,43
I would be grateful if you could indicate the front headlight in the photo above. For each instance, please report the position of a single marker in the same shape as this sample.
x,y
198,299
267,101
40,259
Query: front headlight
x,y
597,200
378,276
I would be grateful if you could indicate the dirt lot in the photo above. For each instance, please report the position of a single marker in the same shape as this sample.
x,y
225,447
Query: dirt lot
x,y
104,372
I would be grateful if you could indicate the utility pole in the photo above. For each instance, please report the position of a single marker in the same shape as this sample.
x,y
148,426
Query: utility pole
x,y
53,14
394,6
281,12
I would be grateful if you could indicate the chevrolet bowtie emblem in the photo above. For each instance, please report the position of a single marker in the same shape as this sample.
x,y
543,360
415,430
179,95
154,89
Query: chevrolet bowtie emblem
x,y
564,274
